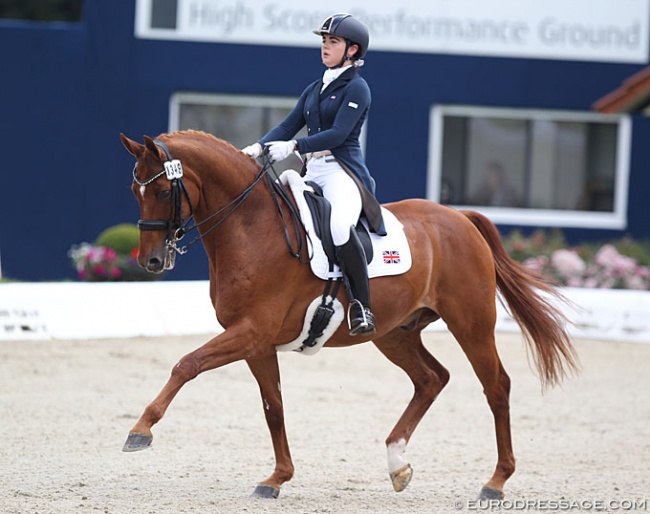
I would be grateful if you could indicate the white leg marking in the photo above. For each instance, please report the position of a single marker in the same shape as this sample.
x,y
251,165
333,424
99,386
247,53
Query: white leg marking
x,y
396,452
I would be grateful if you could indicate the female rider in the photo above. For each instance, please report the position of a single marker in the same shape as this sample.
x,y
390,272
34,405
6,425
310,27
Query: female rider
x,y
334,109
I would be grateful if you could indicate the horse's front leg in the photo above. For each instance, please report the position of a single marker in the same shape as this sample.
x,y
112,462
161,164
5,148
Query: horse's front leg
x,y
267,374
232,345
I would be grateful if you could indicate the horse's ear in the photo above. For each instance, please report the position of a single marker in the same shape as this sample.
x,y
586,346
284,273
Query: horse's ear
x,y
153,148
135,149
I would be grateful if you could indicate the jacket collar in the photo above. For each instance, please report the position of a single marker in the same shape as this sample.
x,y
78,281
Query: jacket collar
x,y
339,82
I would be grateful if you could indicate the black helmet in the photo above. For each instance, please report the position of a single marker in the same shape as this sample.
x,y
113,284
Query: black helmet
x,y
345,26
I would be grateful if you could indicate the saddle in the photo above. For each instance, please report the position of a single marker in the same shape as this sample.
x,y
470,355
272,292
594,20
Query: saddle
x,y
387,254
321,213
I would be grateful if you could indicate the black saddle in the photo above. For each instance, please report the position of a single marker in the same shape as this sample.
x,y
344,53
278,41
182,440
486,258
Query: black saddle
x,y
321,212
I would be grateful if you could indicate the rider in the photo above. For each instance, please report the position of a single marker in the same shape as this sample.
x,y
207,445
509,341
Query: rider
x,y
334,109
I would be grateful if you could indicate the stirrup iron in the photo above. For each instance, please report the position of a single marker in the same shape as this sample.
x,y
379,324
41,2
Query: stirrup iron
x,y
366,326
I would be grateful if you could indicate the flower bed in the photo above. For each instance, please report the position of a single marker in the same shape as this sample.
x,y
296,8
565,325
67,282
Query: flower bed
x,y
112,258
623,264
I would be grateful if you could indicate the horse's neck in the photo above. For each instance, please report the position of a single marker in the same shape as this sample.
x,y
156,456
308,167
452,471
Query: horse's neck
x,y
250,222
224,175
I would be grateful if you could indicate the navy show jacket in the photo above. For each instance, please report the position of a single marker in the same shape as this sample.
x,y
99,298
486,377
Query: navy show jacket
x,y
334,119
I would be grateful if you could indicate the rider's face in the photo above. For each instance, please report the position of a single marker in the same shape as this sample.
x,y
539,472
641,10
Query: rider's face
x,y
333,49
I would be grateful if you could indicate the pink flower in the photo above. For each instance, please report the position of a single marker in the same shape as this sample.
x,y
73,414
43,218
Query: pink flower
x,y
606,255
94,254
110,254
635,282
575,282
617,265
568,263
536,263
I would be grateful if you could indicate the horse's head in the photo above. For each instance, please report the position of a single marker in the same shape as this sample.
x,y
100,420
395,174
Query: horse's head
x,y
165,201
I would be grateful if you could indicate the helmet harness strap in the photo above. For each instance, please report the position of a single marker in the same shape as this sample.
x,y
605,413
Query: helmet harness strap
x,y
345,54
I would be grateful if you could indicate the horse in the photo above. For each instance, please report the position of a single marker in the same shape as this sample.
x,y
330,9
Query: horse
x,y
260,293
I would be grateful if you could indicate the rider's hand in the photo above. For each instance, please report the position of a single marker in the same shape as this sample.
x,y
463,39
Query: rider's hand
x,y
280,150
254,150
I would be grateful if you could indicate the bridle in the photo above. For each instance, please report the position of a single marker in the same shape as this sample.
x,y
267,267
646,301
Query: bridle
x,y
174,224
176,227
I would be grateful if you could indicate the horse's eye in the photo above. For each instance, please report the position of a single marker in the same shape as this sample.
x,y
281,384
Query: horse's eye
x,y
164,194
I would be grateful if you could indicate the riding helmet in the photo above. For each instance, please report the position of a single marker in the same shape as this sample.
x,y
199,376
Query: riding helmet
x,y
348,27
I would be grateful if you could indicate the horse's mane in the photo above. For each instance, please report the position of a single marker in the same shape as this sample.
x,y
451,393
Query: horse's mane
x,y
195,134
223,147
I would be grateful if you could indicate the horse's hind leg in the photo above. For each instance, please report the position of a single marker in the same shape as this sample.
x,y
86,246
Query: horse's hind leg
x,y
267,374
405,349
478,342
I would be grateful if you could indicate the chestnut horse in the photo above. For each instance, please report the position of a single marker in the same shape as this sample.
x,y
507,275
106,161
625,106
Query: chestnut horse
x,y
260,292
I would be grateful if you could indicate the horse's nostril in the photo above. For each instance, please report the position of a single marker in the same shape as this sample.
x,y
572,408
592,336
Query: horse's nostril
x,y
154,264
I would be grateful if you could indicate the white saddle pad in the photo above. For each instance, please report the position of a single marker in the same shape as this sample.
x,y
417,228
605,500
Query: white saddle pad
x,y
391,253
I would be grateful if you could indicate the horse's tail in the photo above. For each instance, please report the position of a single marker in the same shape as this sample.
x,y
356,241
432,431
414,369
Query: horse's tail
x,y
528,296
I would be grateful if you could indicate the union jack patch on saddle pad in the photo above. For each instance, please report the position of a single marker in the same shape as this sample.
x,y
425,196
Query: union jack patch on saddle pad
x,y
391,257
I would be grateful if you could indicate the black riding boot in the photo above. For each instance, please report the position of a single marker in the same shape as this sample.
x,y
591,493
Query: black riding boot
x,y
352,261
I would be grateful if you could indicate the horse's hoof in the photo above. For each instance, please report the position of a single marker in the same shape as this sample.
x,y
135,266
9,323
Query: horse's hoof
x,y
401,478
490,493
265,491
136,442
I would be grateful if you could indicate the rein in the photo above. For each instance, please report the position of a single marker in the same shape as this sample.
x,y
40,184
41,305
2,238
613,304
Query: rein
x,y
177,228
278,190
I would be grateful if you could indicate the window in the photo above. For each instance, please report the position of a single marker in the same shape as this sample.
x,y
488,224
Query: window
x,y
240,120
43,10
540,168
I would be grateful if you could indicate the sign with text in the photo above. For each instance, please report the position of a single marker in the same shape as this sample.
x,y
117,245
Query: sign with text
x,y
584,30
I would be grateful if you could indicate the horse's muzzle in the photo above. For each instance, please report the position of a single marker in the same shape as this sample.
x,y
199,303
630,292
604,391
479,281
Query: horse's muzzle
x,y
160,261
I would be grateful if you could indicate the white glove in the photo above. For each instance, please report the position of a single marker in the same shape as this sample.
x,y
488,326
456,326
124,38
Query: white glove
x,y
280,150
254,150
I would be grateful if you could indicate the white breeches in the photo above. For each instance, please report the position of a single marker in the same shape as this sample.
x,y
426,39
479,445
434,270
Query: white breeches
x,y
342,193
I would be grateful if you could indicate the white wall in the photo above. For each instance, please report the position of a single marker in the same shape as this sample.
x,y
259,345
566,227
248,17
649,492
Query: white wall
x,y
79,310
71,310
